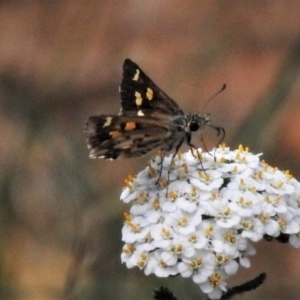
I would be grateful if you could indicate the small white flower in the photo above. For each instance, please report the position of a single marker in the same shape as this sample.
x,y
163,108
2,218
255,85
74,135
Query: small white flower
x,y
270,225
226,262
135,229
231,241
162,235
197,240
227,218
206,181
189,199
288,224
246,183
252,228
138,259
246,204
181,248
215,285
162,264
199,266
279,184
274,203
243,256
127,251
184,223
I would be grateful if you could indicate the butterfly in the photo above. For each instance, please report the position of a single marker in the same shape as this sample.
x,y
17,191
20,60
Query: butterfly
x,y
148,120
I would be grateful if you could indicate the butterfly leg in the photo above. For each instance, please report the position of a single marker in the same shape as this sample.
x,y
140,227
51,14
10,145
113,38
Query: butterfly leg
x,y
169,171
188,141
162,157
160,179
171,162
198,154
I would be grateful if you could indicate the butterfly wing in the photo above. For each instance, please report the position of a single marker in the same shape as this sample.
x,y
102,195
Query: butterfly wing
x,y
112,137
141,96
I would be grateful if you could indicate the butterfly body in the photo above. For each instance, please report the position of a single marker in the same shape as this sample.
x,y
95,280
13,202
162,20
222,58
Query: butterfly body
x,y
149,119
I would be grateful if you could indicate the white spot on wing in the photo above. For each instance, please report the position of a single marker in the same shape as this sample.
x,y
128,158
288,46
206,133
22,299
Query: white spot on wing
x,y
136,75
140,113
108,122
92,155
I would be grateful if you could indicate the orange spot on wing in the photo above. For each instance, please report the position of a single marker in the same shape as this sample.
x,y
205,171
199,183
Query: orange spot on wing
x,y
115,134
130,126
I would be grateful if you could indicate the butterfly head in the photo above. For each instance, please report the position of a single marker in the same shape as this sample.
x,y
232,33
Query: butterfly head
x,y
197,122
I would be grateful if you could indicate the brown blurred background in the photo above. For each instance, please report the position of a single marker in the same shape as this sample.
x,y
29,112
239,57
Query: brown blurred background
x,y
61,61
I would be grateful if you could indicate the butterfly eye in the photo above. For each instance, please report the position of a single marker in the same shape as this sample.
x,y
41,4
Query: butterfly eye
x,y
194,126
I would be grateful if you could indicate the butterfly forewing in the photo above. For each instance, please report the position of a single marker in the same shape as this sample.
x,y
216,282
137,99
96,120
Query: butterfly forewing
x,y
141,95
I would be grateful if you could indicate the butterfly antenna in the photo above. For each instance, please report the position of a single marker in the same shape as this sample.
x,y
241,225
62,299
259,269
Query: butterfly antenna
x,y
213,96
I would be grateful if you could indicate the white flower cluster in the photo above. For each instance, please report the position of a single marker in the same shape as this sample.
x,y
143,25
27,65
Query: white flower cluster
x,y
200,221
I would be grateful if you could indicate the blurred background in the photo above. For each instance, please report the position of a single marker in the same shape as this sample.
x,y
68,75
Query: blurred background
x,y
61,62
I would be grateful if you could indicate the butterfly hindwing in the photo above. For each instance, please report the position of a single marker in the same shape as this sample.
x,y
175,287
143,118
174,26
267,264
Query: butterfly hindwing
x,y
112,137
141,95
